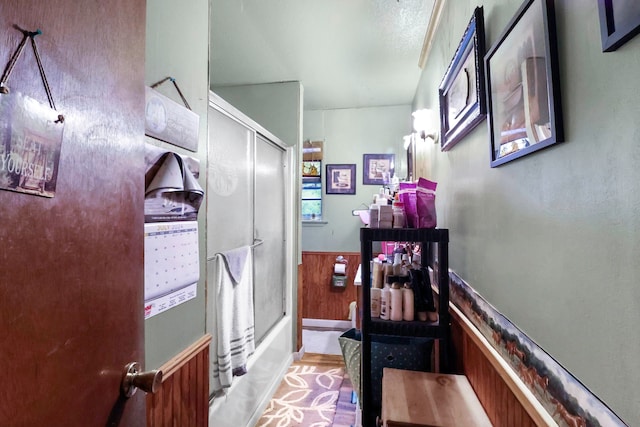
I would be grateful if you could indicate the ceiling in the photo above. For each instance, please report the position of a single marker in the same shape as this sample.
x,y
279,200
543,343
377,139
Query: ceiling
x,y
346,53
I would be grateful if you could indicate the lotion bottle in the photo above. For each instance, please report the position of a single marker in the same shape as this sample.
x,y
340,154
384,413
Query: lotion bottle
x,y
385,300
376,296
396,299
408,309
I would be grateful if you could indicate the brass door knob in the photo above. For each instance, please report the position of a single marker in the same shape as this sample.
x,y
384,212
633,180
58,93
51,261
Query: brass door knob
x,y
133,379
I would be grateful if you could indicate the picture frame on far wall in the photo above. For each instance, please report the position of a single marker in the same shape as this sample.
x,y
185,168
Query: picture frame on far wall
x,y
523,85
619,22
341,179
378,169
462,92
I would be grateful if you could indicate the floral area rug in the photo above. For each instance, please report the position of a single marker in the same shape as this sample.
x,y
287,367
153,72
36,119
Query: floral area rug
x,y
308,397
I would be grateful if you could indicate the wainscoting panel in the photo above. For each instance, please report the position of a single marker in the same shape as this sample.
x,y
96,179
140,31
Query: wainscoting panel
x,y
501,405
300,307
320,299
183,398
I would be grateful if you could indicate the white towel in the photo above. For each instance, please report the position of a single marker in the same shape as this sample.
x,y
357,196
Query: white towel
x,y
235,320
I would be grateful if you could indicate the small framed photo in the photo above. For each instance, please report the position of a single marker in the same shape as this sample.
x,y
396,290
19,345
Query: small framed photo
x,y
378,169
462,95
523,85
311,167
619,22
341,179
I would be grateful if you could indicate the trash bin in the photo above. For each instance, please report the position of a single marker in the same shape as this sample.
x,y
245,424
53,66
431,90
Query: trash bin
x,y
387,351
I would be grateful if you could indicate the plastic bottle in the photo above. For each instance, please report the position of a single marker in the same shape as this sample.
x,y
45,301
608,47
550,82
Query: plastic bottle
x,y
385,300
388,271
376,295
396,299
408,312
424,301
397,263
420,304
398,214
416,261
405,265
377,273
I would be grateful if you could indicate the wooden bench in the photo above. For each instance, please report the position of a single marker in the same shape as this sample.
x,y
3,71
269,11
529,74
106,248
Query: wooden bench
x,y
421,399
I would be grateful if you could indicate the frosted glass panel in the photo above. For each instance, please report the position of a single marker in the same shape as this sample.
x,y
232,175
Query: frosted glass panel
x,y
229,184
246,196
269,257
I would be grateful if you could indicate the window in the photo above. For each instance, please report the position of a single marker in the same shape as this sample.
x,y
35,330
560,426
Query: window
x,y
311,190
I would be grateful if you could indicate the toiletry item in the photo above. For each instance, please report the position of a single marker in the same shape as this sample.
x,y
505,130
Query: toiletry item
x,y
424,300
374,213
398,214
377,274
416,261
397,263
407,194
395,307
426,203
340,266
405,265
420,303
408,312
432,312
385,301
385,217
398,219
388,271
376,295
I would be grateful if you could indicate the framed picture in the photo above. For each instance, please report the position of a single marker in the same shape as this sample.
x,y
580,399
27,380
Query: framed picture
x,y
410,144
378,169
523,91
341,179
619,22
462,94
311,168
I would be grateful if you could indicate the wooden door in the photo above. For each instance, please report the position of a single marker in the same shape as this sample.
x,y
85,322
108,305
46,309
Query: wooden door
x,y
71,266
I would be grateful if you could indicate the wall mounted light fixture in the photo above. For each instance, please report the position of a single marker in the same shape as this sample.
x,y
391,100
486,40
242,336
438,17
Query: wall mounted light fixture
x,y
425,124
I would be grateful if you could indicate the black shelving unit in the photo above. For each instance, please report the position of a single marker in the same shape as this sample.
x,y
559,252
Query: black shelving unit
x,y
440,330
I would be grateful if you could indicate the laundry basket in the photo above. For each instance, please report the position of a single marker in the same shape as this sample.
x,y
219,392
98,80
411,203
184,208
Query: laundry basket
x,y
410,353
350,346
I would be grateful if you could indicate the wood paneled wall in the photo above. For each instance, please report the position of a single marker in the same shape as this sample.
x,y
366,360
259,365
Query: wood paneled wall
x,y
320,299
300,307
183,399
506,402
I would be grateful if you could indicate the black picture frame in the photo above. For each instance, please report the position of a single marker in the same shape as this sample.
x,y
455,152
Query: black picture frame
x,y
619,22
462,91
411,157
524,112
377,169
340,179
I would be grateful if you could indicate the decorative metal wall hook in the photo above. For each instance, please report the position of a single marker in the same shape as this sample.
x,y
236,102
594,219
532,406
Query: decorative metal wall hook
x,y
28,35
173,80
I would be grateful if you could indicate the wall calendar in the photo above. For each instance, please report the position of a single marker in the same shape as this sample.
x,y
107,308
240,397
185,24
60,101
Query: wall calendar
x,y
171,265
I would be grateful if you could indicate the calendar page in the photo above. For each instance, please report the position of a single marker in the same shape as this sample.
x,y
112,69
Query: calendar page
x,y
171,265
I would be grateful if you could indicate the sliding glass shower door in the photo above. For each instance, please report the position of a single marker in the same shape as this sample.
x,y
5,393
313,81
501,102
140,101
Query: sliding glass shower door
x,y
246,207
